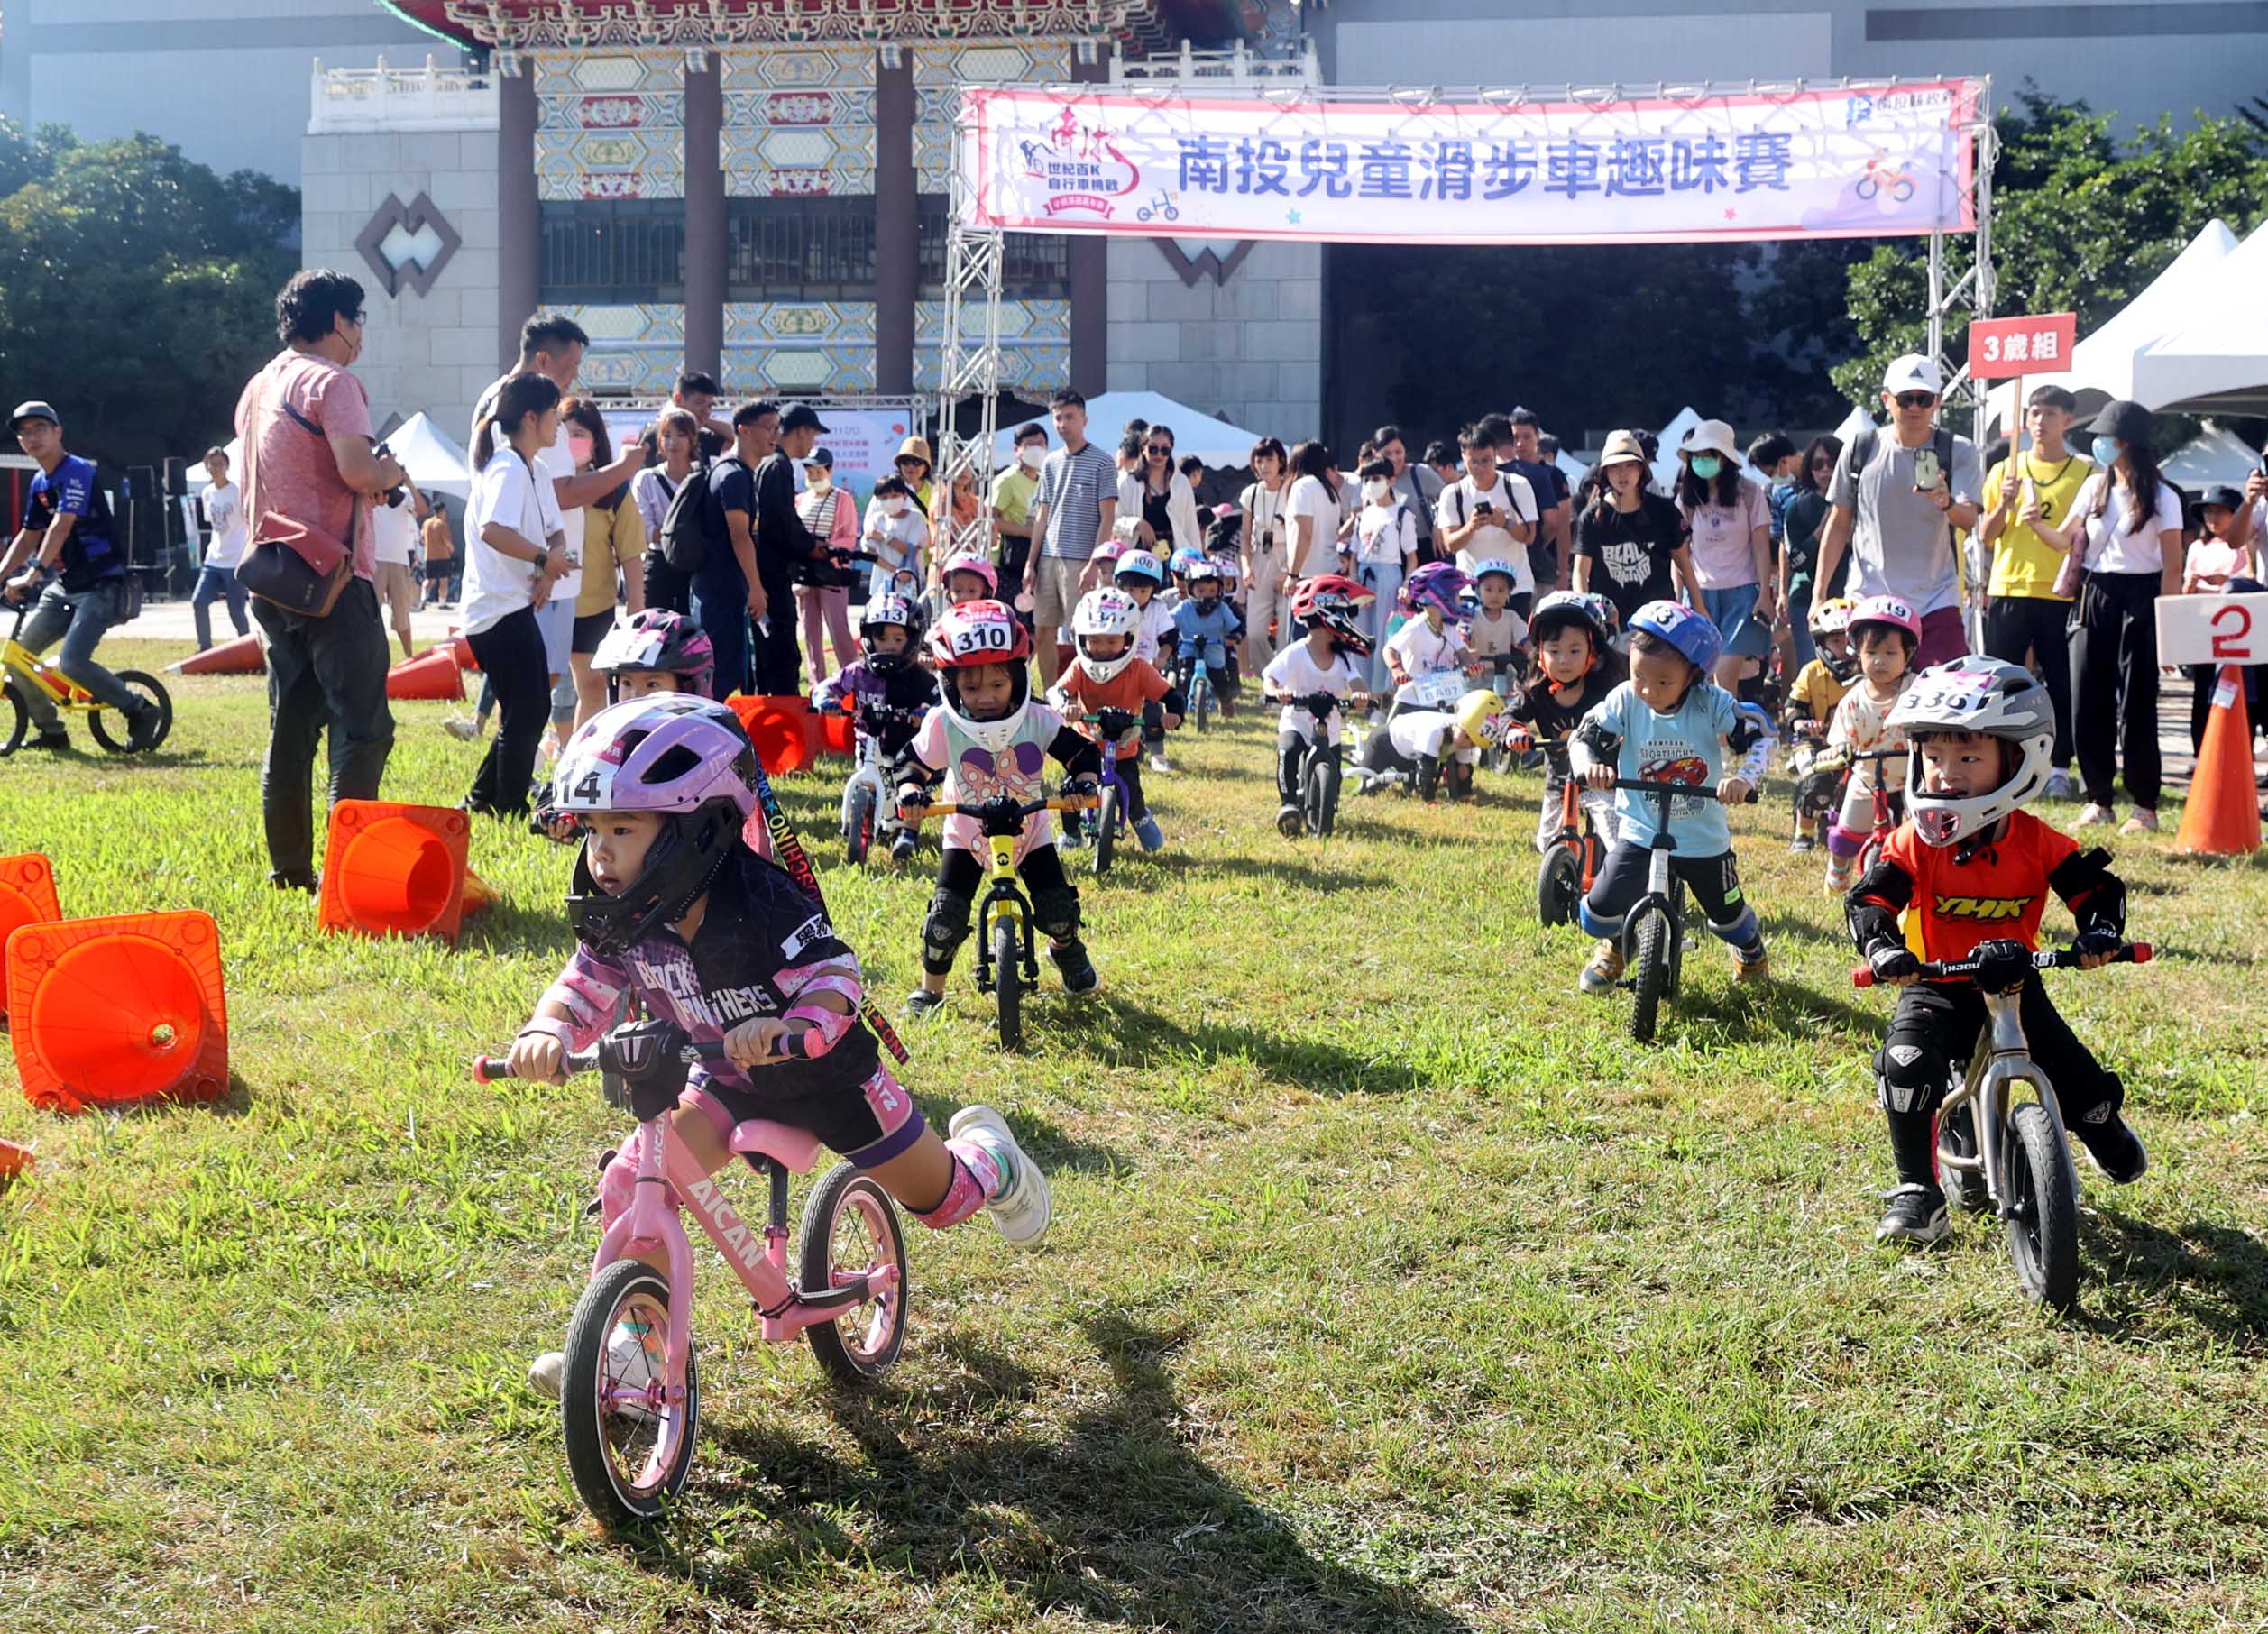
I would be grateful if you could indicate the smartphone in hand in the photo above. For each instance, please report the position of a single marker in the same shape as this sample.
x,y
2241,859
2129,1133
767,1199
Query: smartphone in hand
x,y
1928,471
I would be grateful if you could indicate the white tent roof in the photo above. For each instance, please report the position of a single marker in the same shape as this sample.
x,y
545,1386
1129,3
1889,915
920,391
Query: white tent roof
x,y
1853,423
2217,456
431,457
2215,356
2103,363
1215,442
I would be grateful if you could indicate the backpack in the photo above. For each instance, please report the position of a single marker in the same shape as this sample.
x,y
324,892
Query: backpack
x,y
689,535
1855,458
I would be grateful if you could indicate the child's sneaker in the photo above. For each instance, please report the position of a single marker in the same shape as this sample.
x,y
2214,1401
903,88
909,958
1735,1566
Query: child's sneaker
x,y
1072,835
1158,762
1917,1215
633,1362
1152,836
2115,1148
902,848
1802,844
1289,823
1751,965
1840,870
1024,1204
1604,969
922,1001
1078,971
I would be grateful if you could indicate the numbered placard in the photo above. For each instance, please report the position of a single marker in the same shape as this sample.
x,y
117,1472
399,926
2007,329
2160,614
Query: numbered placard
x,y
2213,629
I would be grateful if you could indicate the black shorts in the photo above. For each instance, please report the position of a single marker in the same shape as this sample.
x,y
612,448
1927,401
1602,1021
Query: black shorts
x,y
869,1123
590,629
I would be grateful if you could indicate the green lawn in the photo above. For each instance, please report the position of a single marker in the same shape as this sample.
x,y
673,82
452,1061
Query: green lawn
x,y
1390,1286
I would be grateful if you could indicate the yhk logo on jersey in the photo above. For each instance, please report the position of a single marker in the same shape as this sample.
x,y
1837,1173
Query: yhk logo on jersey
x,y
1982,907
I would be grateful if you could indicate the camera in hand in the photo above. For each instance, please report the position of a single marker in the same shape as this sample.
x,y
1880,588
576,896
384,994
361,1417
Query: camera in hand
x,y
397,496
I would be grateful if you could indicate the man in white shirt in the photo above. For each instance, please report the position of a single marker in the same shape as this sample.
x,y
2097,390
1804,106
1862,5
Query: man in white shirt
x,y
394,530
1487,513
224,506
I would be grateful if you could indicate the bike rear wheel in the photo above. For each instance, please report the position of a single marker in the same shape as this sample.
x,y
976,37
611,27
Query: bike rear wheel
x,y
1558,886
2042,1207
849,1226
627,1456
1649,973
19,724
110,726
1323,795
1007,980
857,828
1106,830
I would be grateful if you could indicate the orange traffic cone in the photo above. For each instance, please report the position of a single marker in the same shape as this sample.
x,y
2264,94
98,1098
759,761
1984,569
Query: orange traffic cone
x,y
780,726
390,870
14,1159
432,674
2221,818
837,732
462,646
480,895
27,897
243,656
106,1012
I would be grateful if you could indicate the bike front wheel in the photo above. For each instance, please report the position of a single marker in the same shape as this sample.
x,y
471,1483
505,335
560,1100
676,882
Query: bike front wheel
x,y
110,726
628,1451
857,826
2042,1207
1323,795
1558,886
851,1226
1649,973
1106,830
19,724
1007,980
1201,703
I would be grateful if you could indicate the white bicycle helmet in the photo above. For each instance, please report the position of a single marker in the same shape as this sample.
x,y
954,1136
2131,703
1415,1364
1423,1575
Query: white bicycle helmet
x,y
1105,612
1994,700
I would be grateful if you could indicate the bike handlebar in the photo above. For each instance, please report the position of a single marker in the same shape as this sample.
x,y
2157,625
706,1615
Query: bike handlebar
x,y
489,1068
983,808
1694,791
1965,969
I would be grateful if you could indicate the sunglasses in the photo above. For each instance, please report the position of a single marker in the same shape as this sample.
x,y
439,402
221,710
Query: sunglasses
x,y
1915,400
1159,451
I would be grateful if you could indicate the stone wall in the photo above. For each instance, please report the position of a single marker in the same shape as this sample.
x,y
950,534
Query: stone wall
x,y
1247,348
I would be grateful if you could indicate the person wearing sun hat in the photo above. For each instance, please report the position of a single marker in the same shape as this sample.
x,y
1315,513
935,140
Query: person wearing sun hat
x,y
1730,526
916,468
1629,542
1900,492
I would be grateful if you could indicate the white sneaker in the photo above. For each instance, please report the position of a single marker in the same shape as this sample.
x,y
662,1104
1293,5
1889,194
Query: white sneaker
x,y
2143,822
1024,1204
462,730
634,1361
1158,762
2060,786
546,1372
2094,814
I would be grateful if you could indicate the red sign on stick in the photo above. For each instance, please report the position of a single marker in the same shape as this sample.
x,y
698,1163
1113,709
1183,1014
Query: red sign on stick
x,y
2001,346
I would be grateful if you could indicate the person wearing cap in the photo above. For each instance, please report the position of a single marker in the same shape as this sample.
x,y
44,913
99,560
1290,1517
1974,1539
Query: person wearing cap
x,y
77,570
785,549
914,467
2216,565
828,515
2030,499
2125,530
1898,527
1729,523
729,593
1631,542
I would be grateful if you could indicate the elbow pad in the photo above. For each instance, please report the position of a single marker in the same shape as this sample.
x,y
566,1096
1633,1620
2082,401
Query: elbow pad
x,y
2097,898
1871,908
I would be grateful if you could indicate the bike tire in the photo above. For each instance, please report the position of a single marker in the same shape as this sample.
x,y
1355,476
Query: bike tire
x,y
859,1345
1558,886
1650,974
858,829
18,726
1323,795
1964,1188
1007,981
1678,918
1106,830
151,689
1202,707
592,1456
2043,1208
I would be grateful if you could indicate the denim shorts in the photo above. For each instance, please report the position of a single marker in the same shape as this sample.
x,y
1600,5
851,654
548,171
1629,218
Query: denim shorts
x,y
1729,607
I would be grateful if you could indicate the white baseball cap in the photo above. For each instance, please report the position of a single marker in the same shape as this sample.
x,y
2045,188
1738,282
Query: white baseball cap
x,y
1914,372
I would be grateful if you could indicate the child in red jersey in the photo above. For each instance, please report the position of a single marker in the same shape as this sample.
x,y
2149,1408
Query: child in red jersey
x,y
1972,870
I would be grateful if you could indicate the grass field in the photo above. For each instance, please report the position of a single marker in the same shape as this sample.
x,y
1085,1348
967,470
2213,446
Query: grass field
x,y
1390,1287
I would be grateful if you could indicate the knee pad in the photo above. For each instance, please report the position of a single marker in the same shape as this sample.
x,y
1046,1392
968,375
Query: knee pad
x,y
1909,1076
944,930
1056,912
1428,776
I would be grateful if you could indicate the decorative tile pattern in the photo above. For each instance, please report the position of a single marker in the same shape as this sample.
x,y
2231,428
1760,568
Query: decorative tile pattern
x,y
635,349
1036,346
808,346
609,126
939,73
798,122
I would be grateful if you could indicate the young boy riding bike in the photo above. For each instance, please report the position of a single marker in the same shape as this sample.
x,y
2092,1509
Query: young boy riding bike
x,y
1972,868
1209,630
1106,674
887,675
673,914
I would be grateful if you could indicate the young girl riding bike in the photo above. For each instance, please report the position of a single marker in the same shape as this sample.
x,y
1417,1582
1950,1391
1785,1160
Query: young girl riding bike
x,y
1968,867
887,674
1326,613
988,737
673,914
1884,633
1106,674
1431,644
1669,723
1574,669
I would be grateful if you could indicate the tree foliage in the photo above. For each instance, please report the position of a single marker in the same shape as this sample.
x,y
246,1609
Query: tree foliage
x,y
137,287
2081,224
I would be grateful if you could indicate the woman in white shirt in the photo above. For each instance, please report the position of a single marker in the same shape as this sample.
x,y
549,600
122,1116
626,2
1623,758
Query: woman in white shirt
x,y
1318,511
225,514
2125,526
1265,568
515,553
1162,496
1385,554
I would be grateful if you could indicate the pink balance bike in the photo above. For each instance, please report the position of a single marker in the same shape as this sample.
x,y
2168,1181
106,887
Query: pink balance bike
x,y
629,1422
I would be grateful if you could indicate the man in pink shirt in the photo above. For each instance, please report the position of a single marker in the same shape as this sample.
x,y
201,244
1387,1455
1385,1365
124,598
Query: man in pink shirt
x,y
308,456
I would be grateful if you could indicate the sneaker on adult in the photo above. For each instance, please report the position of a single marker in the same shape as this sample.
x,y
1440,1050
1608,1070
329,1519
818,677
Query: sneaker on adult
x,y
147,725
461,729
1917,1215
2060,786
1024,1204
2094,814
2143,821
1604,969
57,739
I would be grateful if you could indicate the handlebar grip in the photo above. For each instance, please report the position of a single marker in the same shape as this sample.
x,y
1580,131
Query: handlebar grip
x,y
1862,976
488,1068
2135,953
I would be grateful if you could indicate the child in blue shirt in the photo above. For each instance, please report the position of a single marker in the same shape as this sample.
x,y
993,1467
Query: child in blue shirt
x,y
1208,629
1669,723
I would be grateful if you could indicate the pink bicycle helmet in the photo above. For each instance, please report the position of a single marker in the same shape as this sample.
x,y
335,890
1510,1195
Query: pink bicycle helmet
x,y
967,563
660,639
1891,610
683,758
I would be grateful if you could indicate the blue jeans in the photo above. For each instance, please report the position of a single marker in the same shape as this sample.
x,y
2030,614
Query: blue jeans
x,y
78,619
1799,625
212,584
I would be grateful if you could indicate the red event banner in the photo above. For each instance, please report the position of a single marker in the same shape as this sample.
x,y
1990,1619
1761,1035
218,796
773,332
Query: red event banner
x,y
2040,345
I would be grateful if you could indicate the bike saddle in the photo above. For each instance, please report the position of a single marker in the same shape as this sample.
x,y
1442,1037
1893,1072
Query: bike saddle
x,y
793,1150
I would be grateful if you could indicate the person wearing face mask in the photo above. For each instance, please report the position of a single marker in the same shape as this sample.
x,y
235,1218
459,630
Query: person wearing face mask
x,y
825,511
897,534
1385,554
1011,501
1729,530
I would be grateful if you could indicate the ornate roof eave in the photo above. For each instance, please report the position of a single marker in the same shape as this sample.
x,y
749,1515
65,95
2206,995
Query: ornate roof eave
x,y
596,24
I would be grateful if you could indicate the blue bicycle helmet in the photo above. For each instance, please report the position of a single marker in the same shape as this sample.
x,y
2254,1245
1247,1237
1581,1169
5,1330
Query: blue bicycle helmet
x,y
1139,565
1689,631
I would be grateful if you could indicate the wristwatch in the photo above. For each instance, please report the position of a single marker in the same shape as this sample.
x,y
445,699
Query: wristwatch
x,y
542,558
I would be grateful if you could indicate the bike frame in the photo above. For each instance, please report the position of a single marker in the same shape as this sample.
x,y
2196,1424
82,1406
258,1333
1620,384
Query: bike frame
x,y
866,774
1577,829
15,657
1004,893
1999,1070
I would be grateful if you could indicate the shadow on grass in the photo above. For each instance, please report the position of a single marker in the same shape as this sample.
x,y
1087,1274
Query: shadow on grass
x,y
1117,1519
1122,1034
509,927
2214,1277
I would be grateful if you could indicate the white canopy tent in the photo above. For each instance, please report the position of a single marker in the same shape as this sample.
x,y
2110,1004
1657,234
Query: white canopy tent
x,y
431,457
1214,441
2218,455
2103,363
1853,423
2213,358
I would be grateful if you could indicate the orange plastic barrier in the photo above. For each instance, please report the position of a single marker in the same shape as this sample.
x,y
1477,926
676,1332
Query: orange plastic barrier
x,y
107,1012
391,869
432,674
2222,818
780,726
243,656
838,734
27,897
14,1159
461,646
